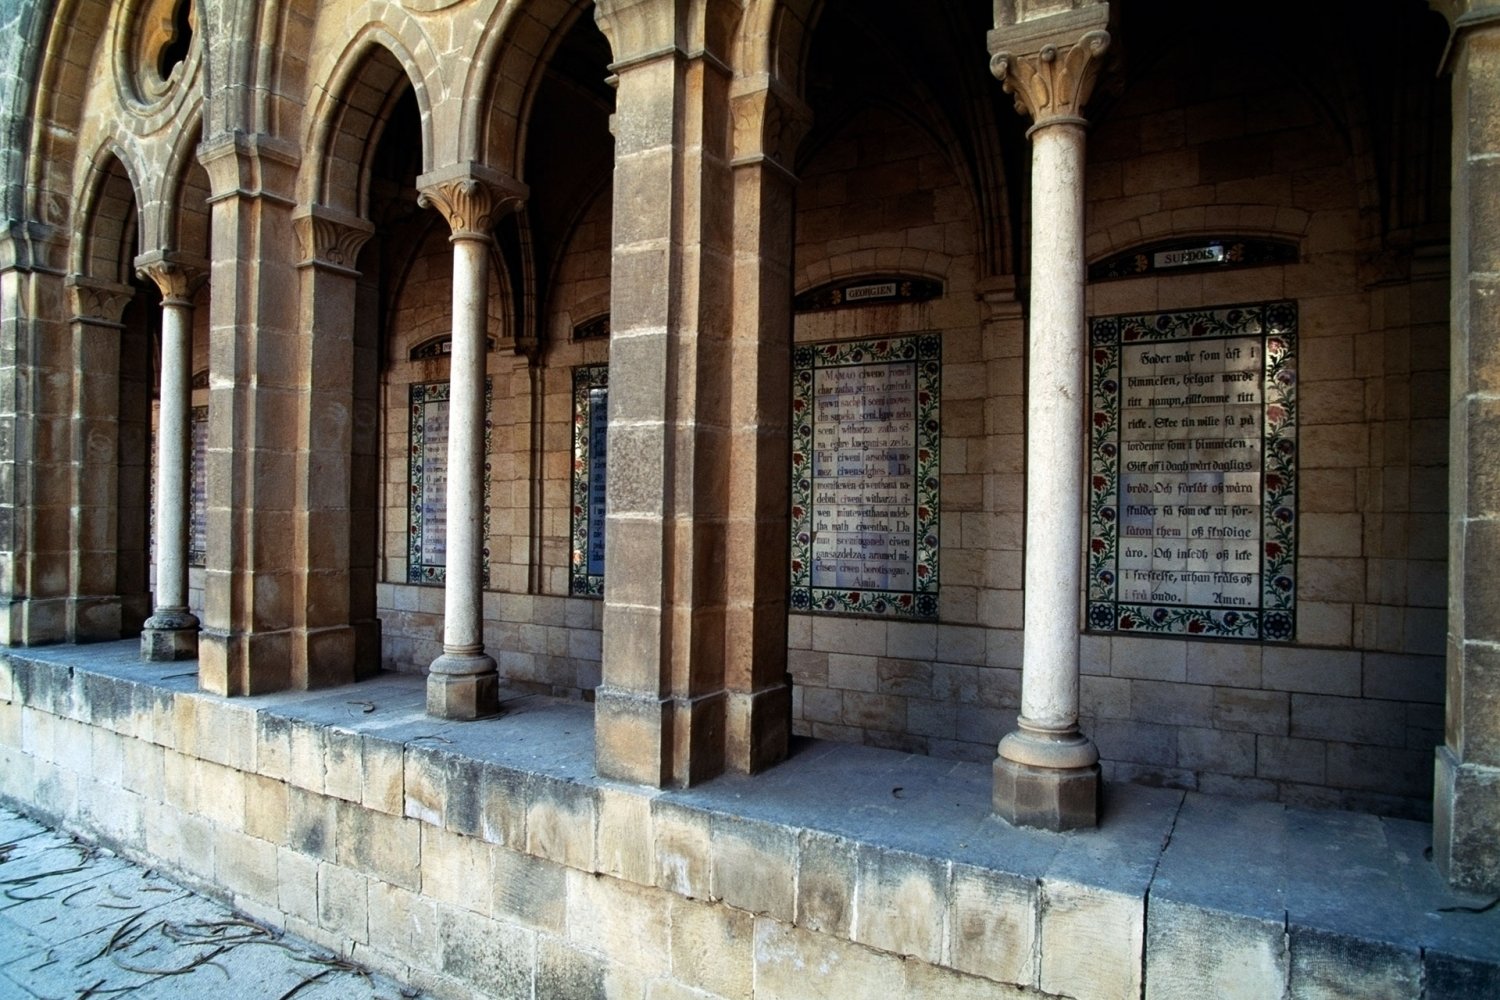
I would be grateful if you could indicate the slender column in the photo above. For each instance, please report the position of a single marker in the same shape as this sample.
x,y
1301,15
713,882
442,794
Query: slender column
x,y
1466,805
171,633
463,683
1047,772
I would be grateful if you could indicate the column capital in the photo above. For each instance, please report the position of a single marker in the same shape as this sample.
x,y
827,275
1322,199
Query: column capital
x,y
250,166
330,238
97,301
769,124
179,276
640,31
471,197
1052,84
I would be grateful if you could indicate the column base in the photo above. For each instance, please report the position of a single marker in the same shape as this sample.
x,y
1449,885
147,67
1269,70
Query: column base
x,y
1465,815
759,728
463,687
1049,781
170,635
1046,798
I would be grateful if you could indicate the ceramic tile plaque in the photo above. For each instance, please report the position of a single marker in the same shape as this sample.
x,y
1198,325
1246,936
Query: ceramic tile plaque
x,y
1193,473
427,472
590,458
865,435
198,489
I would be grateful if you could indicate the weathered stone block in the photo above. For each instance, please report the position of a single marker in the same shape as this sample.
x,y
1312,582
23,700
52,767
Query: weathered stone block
x,y
1327,966
297,884
711,948
747,857
626,837
343,901
827,871
623,922
309,747
795,964
266,809
386,847
564,971
684,859
560,821
494,957
403,924
1196,952
1091,941
503,792
246,866
343,765
312,824
426,780
383,786
273,745
992,919
457,870
529,891
902,903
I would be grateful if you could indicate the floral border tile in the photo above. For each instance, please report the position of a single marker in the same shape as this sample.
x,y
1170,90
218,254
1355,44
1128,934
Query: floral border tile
x,y
925,351
590,387
1274,620
423,393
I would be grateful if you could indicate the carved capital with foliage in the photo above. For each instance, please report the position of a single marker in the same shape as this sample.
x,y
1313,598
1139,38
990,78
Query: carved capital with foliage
x,y
1054,82
96,301
471,197
331,238
177,277
769,122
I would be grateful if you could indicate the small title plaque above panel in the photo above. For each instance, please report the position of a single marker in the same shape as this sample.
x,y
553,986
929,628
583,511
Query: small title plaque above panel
x,y
870,290
1193,473
1193,254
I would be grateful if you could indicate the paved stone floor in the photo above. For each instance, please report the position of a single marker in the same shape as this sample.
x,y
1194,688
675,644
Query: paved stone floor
x,y
78,922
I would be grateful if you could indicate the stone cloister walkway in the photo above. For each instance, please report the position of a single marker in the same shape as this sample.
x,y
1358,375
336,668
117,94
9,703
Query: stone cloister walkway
x,y
888,862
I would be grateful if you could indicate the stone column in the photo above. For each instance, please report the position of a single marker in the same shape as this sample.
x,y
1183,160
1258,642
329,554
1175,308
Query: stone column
x,y
462,683
1047,773
1466,806
661,709
255,359
97,308
171,633
328,647
769,122
35,408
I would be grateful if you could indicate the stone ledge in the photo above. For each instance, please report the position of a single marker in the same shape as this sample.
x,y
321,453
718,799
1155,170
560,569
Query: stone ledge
x,y
845,851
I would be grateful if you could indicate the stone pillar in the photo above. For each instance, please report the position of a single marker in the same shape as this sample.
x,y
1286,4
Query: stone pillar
x,y
255,358
1466,806
1047,772
660,711
97,308
171,633
328,647
462,683
35,408
769,122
